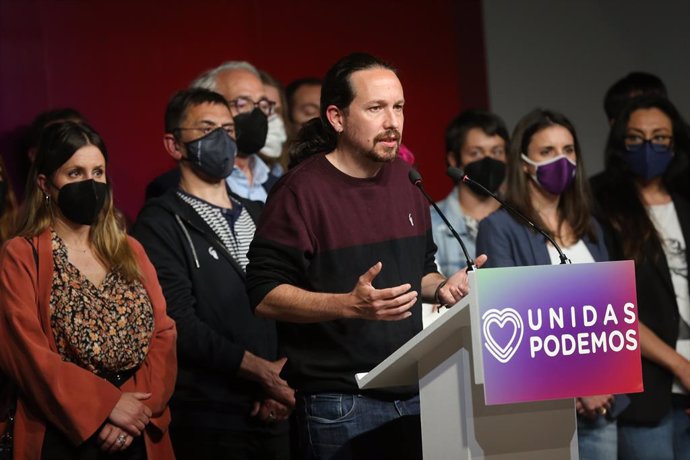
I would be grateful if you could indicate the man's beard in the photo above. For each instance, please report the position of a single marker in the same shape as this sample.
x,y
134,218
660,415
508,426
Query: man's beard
x,y
389,153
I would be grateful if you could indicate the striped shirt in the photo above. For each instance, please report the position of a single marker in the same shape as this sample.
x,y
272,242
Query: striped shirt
x,y
234,226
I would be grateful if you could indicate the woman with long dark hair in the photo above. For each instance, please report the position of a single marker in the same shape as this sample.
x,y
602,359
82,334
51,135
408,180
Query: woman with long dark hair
x,y
85,337
546,182
646,152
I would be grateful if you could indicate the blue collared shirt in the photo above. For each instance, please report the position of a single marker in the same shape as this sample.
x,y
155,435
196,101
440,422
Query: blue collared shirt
x,y
238,183
449,256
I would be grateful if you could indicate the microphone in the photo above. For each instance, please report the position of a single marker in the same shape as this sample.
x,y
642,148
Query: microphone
x,y
416,180
459,176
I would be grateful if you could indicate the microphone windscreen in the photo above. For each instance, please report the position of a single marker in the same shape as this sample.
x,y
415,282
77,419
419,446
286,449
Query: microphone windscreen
x,y
456,174
414,176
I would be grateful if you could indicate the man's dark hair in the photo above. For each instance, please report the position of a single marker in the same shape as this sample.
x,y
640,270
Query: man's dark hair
x,y
292,88
456,132
317,135
632,85
47,118
182,100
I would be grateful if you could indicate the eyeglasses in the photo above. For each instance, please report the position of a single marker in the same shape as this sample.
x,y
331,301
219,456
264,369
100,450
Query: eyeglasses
x,y
659,143
244,104
229,128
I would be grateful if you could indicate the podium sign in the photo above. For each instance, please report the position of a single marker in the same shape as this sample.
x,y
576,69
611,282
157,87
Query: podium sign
x,y
553,332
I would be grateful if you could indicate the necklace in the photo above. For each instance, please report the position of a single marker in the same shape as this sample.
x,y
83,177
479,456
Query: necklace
x,y
75,249
61,229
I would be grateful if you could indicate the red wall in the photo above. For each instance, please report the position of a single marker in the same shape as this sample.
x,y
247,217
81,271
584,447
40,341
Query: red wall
x,y
118,62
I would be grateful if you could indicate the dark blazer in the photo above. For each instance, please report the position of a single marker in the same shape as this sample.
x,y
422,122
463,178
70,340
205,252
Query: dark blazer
x,y
658,310
510,243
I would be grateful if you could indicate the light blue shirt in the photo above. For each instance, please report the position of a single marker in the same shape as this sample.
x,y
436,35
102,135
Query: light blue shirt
x,y
449,256
238,183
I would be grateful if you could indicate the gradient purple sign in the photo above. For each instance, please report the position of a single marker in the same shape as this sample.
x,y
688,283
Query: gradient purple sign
x,y
559,331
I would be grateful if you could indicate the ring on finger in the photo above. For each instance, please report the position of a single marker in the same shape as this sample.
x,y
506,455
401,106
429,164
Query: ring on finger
x,y
121,439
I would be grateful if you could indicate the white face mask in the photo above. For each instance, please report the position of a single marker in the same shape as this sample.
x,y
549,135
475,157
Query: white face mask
x,y
276,137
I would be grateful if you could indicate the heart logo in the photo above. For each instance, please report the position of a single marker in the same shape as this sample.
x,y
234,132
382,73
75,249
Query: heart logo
x,y
507,336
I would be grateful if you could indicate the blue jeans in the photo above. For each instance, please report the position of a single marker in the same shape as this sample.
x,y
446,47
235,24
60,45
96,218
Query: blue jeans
x,y
597,439
352,426
667,440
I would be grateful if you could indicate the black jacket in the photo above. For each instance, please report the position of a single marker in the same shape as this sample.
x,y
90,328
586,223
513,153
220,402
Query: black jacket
x,y
205,293
658,310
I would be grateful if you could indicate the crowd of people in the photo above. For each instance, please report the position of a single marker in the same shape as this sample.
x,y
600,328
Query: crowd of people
x,y
287,251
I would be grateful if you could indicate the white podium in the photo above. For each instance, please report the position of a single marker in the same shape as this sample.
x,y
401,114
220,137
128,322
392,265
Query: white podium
x,y
456,424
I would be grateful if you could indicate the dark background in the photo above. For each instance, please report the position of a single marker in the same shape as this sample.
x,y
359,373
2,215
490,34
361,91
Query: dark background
x,y
119,62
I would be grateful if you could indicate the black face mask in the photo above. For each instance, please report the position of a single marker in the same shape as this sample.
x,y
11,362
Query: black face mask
x,y
251,129
3,195
213,154
81,202
488,172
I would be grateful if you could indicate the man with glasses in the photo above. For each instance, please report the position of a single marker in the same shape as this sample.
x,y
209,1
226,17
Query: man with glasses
x,y
240,83
229,399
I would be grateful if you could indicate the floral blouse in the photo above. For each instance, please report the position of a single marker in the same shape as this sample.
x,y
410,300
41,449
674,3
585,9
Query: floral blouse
x,y
103,329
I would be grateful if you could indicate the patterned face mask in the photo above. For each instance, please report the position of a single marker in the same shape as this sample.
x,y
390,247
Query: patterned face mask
x,y
213,154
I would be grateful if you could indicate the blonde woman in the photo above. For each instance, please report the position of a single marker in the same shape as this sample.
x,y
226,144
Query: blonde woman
x,y
85,337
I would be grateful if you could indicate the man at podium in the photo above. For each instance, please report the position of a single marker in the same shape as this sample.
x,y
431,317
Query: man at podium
x,y
343,257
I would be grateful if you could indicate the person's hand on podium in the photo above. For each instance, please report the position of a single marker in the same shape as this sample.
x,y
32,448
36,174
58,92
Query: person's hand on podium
x,y
456,286
681,369
593,406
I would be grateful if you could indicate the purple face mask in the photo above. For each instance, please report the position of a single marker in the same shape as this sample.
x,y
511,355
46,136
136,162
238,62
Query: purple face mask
x,y
554,175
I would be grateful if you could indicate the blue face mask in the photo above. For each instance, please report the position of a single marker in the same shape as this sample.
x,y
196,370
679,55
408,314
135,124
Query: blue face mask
x,y
646,162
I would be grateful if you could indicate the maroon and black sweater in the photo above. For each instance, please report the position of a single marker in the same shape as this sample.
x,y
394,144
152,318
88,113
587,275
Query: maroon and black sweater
x,y
321,229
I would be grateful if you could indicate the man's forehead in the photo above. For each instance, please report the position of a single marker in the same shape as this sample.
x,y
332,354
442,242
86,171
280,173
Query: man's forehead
x,y
217,113
307,91
478,134
239,82
377,83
